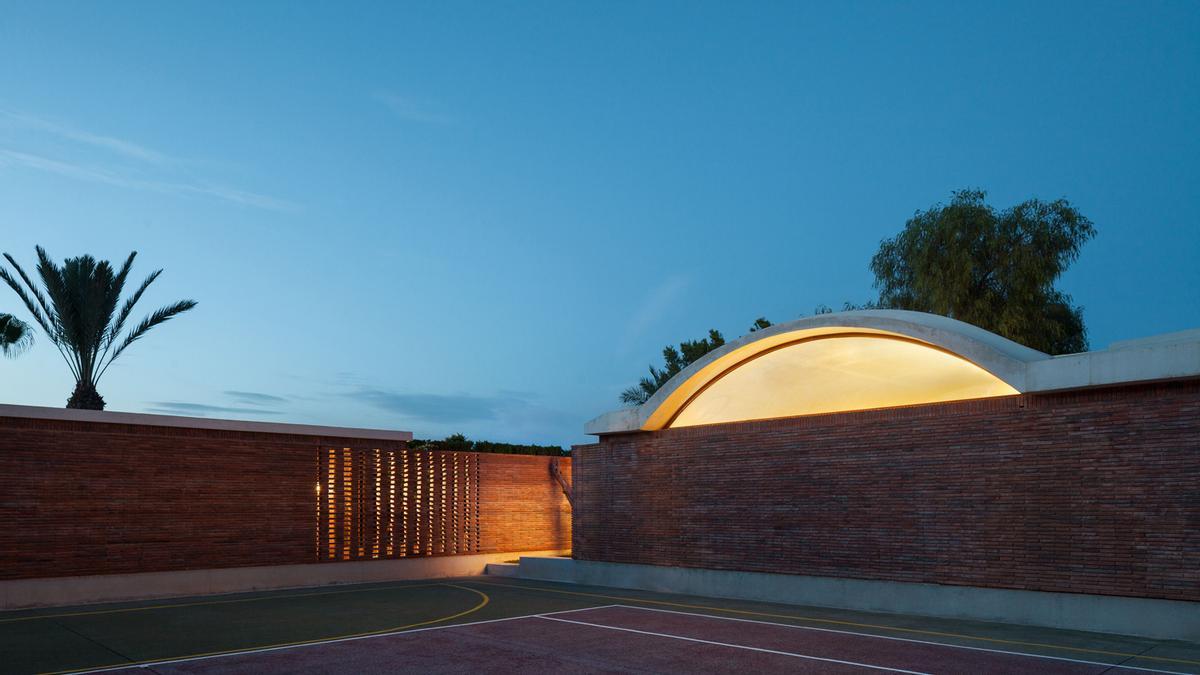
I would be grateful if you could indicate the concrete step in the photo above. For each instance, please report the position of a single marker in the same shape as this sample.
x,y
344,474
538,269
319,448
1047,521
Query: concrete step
x,y
502,569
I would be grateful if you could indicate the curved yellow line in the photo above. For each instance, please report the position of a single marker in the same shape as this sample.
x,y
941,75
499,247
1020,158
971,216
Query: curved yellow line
x,y
844,623
249,650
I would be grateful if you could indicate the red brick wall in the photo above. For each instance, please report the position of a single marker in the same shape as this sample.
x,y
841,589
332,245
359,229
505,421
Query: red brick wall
x,y
92,498
1094,491
527,509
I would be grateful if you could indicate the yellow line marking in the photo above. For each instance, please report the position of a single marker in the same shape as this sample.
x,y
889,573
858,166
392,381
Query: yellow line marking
x,y
122,610
842,623
129,664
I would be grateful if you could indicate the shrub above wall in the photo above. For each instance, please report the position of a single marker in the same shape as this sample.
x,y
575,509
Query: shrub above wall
x,y
460,443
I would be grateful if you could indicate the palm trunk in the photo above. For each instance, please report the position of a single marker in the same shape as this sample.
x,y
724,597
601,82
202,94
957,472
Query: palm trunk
x,y
85,397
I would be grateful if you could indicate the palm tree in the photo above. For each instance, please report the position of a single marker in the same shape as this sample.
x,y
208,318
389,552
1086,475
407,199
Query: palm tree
x,y
76,306
15,335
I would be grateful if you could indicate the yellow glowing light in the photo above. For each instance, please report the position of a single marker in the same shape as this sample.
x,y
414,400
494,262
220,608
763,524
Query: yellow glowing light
x,y
837,373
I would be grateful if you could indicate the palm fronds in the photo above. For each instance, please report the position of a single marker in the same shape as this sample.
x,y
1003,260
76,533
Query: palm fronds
x,y
76,306
15,335
127,309
161,315
43,312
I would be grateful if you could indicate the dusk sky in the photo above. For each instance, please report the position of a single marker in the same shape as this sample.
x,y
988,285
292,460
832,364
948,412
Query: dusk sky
x,y
488,218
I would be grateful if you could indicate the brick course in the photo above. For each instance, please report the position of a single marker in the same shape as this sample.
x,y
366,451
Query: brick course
x,y
1090,491
82,498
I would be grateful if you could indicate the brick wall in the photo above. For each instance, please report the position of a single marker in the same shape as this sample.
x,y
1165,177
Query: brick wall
x,y
1093,491
97,498
527,511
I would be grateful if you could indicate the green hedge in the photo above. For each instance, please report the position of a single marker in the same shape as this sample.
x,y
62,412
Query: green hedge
x,y
460,443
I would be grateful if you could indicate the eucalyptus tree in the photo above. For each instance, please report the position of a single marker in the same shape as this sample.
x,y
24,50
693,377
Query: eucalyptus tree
x,y
995,269
78,305
15,335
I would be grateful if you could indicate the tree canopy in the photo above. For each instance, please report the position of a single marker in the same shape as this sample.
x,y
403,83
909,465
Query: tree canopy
x,y
460,443
994,269
965,260
676,359
759,324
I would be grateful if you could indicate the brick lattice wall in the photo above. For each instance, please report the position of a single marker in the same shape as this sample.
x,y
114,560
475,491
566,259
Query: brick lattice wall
x,y
82,498
1093,491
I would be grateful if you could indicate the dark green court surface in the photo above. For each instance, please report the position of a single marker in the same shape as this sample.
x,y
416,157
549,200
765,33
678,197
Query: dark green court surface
x,y
179,630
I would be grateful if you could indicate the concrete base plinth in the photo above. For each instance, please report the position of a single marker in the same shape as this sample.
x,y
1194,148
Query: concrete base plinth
x,y
1148,617
58,591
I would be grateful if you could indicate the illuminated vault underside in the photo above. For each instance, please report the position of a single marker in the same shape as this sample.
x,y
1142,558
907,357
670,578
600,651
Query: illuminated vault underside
x,y
834,373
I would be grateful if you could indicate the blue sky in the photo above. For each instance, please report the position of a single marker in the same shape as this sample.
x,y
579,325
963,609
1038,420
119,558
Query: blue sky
x,y
490,217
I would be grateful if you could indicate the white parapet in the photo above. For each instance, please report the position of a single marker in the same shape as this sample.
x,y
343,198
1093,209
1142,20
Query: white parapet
x,y
214,424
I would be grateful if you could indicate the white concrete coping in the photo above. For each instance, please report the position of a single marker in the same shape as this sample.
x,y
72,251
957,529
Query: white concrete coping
x,y
1026,370
147,419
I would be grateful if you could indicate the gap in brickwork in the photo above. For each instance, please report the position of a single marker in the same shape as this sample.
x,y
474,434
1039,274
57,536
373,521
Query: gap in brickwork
x,y
330,520
318,531
391,538
418,521
457,505
440,474
429,505
378,504
467,491
404,503
475,507
348,529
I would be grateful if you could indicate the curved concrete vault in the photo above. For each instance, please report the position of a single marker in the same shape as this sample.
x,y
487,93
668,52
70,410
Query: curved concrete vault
x,y
876,359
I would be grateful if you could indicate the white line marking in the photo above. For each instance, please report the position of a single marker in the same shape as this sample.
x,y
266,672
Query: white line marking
x,y
727,644
898,639
318,643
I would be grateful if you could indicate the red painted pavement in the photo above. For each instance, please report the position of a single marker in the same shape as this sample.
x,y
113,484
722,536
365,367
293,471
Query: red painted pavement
x,y
906,654
562,643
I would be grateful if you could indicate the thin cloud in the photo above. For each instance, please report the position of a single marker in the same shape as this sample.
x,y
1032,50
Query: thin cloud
x,y
128,150
77,171
412,109
237,197
436,408
108,177
254,397
117,145
505,415
203,409
505,410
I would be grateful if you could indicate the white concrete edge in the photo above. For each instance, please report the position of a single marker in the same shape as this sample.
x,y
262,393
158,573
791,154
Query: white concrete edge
x,y
148,419
1161,357
1192,335
81,590
1145,617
